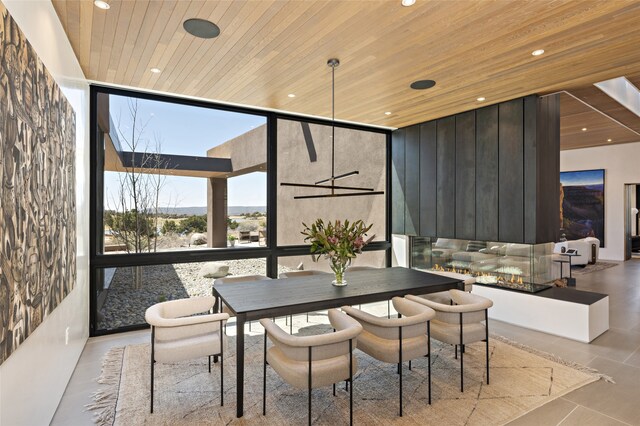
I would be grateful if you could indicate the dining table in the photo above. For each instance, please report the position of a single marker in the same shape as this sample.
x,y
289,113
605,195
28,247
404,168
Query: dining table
x,y
253,300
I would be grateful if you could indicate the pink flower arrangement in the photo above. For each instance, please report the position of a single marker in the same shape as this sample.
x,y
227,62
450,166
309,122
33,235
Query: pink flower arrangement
x,y
337,241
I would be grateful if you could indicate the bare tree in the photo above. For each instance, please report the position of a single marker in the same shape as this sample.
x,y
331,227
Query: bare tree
x,y
135,205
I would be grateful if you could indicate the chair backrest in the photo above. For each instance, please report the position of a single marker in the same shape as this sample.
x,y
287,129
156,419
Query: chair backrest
x,y
413,322
181,307
240,279
324,346
471,305
292,274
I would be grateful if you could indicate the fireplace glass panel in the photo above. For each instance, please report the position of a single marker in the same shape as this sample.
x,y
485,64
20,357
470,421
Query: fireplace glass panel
x,y
525,267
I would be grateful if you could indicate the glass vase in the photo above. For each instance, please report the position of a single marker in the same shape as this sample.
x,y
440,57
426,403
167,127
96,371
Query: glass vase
x,y
338,269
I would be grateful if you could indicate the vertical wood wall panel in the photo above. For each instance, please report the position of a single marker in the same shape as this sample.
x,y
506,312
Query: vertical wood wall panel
x,y
412,181
510,164
466,176
446,182
531,141
548,169
491,174
428,177
487,174
397,181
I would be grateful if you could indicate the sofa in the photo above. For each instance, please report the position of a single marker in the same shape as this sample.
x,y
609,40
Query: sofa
x,y
583,246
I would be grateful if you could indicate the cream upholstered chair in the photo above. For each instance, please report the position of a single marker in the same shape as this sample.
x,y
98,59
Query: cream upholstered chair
x,y
178,334
460,322
238,279
302,273
396,340
308,362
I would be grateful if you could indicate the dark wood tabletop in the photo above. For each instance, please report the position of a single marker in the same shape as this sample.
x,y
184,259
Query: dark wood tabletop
x,y
260,299
272,298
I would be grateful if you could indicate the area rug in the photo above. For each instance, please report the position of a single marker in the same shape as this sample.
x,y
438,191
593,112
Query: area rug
x,y
598,266
186,394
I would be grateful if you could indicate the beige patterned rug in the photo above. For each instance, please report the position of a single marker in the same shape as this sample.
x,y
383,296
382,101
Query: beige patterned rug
x,y
186,394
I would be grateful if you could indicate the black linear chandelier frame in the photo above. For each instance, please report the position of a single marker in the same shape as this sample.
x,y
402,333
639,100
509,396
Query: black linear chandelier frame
x,y
333,63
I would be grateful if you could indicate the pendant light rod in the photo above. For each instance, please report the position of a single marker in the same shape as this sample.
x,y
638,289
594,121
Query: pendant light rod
x,y
333,63
310,185
344,175
346,194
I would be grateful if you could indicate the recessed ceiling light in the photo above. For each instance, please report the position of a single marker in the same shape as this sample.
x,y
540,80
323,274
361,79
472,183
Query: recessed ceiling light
x,y
155,70
608,140
408,2
584,129
481,99
201,28
101,4
423,84
291,95
537,52
387,113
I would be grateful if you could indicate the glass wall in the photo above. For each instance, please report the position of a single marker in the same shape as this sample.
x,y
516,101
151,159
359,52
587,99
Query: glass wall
x,y
180,177
182,191
305,157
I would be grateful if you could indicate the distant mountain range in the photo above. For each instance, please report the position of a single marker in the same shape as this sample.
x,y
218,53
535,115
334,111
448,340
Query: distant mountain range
x,y
231,210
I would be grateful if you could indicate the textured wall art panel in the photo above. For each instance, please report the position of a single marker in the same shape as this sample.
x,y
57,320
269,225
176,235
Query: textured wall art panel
x,y
37,190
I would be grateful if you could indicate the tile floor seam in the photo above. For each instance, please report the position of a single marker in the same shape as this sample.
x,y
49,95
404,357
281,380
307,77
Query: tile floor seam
x,y
630,355
613,360
604,414
570,412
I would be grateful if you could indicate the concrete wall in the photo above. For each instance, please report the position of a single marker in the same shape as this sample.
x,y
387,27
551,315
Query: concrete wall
x,y
620,163
34,377
355,150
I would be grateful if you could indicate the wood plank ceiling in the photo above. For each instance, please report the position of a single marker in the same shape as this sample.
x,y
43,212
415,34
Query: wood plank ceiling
x,y
268,49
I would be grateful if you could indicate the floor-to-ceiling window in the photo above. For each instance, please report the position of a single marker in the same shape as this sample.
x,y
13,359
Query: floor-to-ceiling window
x,y
184,192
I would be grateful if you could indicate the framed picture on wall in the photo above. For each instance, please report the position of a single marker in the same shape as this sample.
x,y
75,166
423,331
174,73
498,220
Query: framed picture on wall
x,y
582,204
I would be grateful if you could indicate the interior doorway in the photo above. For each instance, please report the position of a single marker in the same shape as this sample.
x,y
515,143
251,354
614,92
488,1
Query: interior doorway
x,y
632,221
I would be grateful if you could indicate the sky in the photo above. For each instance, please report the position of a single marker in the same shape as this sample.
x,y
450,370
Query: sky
x,y
586,177
188,130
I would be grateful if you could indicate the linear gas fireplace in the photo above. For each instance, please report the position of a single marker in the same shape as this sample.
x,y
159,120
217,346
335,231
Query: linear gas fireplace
x,y
522,267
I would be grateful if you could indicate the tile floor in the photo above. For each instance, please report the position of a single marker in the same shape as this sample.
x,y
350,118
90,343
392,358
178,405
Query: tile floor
x,y
616,353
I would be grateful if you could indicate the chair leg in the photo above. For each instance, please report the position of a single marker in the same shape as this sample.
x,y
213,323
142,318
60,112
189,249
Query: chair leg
x,y
486,339
429,351
309,384
455,348
221,366
209,357
334,389
351,380
388,309
291,326
264,377
307,316
400,366
461,356
153,335
410,365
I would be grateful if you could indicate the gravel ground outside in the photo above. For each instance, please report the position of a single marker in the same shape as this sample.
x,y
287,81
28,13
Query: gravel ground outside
x,y
125,305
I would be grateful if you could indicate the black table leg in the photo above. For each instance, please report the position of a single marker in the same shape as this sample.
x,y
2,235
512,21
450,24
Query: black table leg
x,y
240,320
216,309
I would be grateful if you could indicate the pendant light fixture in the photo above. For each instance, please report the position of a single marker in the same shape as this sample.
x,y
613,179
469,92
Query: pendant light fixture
x,y
330,181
